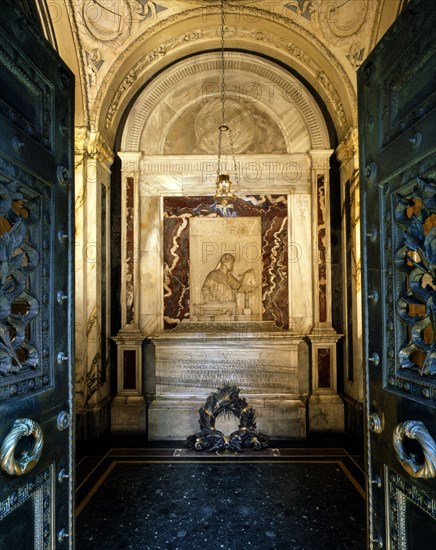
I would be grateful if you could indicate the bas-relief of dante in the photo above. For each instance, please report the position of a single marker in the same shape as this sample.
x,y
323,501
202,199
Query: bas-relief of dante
x,y
220,285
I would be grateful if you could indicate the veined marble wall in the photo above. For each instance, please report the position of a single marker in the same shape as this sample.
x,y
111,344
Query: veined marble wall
x,y
160,307
281,168
272,212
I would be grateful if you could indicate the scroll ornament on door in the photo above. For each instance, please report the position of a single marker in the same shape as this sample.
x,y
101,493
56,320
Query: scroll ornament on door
x,y
415,429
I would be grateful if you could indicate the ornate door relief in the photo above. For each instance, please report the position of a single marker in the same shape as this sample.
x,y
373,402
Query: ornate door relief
x,y
397,148
128,408
36,288
93,159
326,409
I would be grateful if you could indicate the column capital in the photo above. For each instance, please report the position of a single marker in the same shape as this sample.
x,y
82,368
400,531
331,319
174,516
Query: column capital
x,y
348,148
130,161
93,145
320,159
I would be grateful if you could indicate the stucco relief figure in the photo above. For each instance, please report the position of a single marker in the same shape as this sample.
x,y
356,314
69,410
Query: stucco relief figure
x,y
222,287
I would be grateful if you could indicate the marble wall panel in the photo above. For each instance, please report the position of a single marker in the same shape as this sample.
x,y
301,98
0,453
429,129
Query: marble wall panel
x,y
186,369
150,265
130,252
275,293
323,251
300,264
195,131
272,212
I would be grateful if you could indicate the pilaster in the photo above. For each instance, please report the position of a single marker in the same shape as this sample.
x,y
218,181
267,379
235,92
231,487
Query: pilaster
x,y
93,159
128,411
326,408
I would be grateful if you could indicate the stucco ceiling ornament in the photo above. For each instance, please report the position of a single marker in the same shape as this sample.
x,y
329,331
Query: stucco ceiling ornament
x,y
321,76
347,24
342,18
209,118
356,54
303,8
135,73
105,22
276,40
94,62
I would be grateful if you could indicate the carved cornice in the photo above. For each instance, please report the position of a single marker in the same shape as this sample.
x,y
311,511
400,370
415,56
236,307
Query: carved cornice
x,y
348,148
134,75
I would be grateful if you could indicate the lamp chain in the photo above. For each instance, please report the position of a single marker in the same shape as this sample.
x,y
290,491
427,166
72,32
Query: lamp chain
x,y
223,85
224,127
234,160
223,89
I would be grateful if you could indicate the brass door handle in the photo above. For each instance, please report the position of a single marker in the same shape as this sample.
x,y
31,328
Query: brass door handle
x,y
415,429
23,427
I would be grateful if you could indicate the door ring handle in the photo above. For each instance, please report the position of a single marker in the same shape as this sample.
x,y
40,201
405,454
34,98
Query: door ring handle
x,y
415,429
23,427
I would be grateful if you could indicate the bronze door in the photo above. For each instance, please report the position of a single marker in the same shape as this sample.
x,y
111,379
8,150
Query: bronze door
x,y
36,288
397,122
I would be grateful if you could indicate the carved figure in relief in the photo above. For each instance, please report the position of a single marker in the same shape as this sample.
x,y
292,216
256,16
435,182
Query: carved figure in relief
x,y
222,286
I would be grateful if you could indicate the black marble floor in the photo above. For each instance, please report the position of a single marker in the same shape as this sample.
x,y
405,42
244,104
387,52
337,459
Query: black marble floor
x,y
161,499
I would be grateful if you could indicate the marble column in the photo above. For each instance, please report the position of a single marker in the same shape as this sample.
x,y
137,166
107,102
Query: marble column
x,y
93,159
326,408
128,411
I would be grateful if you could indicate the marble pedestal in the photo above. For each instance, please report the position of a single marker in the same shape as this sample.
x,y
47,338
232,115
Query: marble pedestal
x,y
190,364
128,415
326,413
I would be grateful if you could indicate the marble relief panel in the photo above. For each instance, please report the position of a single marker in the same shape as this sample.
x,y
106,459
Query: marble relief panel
x,y
272,270
225,269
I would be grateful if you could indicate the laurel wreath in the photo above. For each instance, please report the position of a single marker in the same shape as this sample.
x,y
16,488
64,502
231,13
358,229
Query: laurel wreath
x,y
227,402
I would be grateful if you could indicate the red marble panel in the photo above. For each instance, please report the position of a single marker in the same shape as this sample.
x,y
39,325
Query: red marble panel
x,y
273,213
130,251
322,249
129,369
324,375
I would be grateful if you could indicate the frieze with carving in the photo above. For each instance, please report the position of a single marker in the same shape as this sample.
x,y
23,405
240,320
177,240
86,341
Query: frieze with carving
x,y
135,73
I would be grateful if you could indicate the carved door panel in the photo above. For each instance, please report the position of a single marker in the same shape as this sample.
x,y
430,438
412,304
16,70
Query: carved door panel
x,y
36,284
397,122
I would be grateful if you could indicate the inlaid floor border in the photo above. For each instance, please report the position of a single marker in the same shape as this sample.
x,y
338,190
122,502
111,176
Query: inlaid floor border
x,y
101,467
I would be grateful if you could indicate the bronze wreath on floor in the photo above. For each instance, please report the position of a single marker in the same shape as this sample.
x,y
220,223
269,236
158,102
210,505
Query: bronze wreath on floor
x,y
227,402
